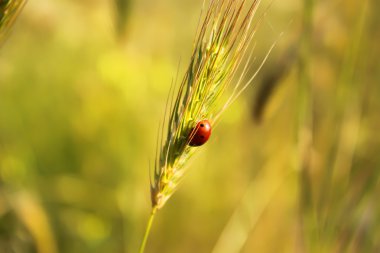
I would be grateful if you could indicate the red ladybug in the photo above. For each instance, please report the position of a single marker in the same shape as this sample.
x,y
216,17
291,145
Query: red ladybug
x,y
200,133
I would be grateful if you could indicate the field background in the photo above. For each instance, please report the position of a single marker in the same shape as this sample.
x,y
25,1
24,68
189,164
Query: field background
x,y
293,166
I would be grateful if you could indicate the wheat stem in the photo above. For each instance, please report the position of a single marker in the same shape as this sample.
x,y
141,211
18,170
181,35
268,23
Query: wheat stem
x,y
9,10
147,230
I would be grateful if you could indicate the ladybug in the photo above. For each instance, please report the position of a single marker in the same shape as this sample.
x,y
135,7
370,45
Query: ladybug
x,y
200,134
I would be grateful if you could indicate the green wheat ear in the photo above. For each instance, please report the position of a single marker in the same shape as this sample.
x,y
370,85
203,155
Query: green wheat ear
x,y
219,53
9,10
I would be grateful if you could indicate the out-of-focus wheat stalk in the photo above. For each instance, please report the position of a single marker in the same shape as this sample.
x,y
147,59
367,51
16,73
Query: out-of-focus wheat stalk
x,y
331,214
219,60
9,10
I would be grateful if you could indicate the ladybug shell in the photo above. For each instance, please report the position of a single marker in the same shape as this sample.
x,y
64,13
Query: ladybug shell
x,y
200,133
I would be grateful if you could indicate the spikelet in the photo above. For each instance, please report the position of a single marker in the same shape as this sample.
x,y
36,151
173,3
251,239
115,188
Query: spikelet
x,y
220,51
9,10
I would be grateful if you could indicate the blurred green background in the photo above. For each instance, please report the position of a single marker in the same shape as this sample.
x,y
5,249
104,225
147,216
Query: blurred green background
x,y
294,165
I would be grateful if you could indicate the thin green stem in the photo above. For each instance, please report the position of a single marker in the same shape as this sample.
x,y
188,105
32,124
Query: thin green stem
x,y
305,129
147,230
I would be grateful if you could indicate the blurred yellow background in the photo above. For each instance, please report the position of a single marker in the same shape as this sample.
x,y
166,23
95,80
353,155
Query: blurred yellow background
x,y
294,165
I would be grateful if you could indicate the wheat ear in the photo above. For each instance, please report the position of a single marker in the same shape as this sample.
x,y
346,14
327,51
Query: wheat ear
x,y
219,53
219,48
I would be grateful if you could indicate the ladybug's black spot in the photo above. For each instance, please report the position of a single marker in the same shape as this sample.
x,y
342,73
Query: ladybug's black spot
x,y
202,125
202,136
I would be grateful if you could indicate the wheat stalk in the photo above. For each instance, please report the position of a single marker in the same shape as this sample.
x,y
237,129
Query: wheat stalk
x,y
220,52
9,10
